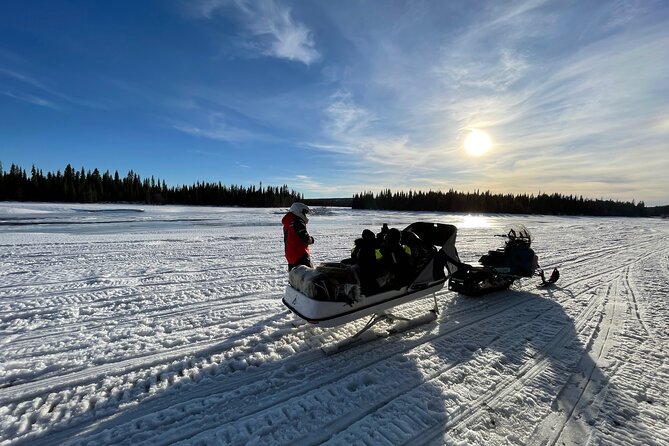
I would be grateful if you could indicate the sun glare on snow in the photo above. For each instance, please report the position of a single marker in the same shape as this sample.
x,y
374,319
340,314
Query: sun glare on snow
x,y
474,222
477,143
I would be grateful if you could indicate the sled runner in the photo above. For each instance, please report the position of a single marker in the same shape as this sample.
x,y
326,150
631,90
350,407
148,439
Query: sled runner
x,y
330,295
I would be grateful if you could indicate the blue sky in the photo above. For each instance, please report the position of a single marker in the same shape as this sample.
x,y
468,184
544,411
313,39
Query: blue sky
x,y
334,98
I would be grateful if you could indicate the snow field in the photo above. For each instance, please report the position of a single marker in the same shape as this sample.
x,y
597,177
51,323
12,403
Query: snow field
x,y
169,329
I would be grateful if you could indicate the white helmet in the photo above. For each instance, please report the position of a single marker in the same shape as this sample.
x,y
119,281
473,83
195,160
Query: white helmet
x,y
301,210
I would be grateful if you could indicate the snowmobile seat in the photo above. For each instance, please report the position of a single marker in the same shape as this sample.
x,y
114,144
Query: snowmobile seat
x,y
495,258
516,259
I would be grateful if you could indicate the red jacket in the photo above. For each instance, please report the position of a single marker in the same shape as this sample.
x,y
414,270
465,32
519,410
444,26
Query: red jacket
x,y
296,239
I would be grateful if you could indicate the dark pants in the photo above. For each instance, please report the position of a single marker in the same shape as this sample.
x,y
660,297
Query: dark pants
x,y
304,260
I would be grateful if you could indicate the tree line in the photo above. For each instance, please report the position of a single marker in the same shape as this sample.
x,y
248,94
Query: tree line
x,y
487,202
86,186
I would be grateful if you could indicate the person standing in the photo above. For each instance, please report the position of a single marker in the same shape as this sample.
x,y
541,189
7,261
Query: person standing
x,y
296,239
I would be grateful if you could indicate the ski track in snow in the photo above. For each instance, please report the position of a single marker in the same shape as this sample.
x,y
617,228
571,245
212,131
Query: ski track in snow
x,y
165,326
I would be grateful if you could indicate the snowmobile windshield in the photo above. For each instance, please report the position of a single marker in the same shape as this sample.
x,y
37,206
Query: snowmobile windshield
x,y
518,235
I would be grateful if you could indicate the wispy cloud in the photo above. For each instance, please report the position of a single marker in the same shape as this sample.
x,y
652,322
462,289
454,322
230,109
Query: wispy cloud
x,y
624,12
206,153
45,89
270,27
308,183
35,85
496,75
215,130
345,116
372,153
207,120
586,116
31,99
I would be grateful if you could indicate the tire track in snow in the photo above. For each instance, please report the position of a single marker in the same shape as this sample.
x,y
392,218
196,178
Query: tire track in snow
x,y
147,383
602,273
158,313
89,285
508,386
33,355
34,347
570,398
87,375
476,412
582,382
599,273
318,383
306,360
195,347
637,384
346,373
632,292
524,287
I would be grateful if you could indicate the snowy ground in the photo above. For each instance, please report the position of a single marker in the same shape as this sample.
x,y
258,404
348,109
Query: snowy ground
x,y
160,325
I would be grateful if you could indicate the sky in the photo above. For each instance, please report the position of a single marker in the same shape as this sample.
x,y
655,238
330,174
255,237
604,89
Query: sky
x,y
334,98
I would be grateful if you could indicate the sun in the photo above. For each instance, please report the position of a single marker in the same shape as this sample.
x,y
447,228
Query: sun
x,y
477,143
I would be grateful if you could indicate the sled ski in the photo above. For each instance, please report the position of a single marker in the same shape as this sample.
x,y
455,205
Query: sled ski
x,y
347,344
366,334
407,324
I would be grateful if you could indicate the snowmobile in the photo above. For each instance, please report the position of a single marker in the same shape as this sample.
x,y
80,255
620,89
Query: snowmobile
x,y
331,295
499,268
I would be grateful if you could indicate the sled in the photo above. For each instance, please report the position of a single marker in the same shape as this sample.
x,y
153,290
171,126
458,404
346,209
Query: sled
x,y
330,306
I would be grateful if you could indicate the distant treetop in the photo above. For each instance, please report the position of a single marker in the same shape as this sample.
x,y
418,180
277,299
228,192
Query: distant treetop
x,y
486,202
82,186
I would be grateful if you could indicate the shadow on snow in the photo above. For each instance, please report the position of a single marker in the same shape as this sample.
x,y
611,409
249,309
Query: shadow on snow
x,y
506,344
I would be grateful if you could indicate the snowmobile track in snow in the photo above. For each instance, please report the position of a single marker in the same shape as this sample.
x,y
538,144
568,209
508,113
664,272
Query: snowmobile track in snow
x,y
508,387
181,339
310,358
302,361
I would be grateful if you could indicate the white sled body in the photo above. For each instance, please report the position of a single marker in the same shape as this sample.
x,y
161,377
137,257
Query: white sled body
x,y
430,279
331,314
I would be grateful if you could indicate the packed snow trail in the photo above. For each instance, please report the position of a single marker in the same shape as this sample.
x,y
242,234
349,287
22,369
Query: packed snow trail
x,y
165,326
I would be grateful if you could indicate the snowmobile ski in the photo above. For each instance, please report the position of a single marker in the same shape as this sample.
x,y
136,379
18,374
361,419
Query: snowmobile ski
x,y
555,275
